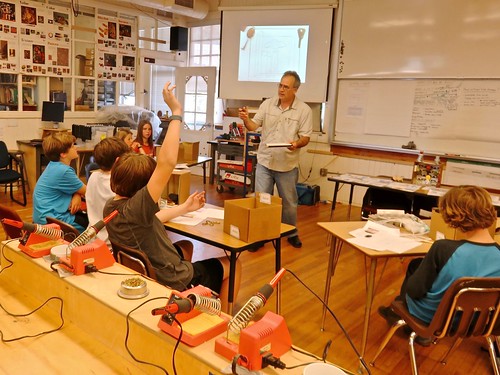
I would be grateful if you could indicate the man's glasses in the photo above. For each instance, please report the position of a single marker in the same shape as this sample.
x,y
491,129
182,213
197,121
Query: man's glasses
x,y
284,87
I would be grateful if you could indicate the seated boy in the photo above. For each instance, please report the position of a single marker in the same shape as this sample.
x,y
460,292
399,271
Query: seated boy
x,y
138,181
58,192
469,209
98,185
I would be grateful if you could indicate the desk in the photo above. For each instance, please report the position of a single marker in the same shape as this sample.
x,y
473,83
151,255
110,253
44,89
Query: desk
x,y
215,236
339,232
92,304
379,183
203,160
33,159
84,153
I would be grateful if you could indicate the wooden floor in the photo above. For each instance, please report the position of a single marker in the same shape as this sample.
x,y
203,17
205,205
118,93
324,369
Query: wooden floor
x,y
302,310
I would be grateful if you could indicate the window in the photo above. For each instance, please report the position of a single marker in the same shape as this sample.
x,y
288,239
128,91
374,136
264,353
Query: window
x,y
204,50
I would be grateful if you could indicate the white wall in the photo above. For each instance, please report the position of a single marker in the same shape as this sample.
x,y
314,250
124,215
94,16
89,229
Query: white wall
x,y
27,125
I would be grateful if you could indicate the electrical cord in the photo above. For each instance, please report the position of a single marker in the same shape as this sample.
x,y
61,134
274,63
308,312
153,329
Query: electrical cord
x,y
32,312
128,333
2,254
361,359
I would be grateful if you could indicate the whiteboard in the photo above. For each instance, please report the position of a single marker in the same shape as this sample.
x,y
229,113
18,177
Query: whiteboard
x,y
420,39
453,116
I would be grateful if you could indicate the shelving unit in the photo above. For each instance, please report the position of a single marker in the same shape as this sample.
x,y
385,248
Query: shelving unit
x,y
237,170
106,93
8,92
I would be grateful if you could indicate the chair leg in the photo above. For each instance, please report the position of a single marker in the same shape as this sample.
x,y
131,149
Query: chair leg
x,y
411,349
24,193
493,354
400,323
455,345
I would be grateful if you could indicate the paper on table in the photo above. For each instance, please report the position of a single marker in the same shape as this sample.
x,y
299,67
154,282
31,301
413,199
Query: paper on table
x,y
196,217
378,237
385,242
278,144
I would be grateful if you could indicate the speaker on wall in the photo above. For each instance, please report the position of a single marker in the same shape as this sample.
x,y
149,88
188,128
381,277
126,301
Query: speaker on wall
x,y
178,38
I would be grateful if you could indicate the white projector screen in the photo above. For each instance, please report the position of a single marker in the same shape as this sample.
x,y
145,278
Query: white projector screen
x,y
257,47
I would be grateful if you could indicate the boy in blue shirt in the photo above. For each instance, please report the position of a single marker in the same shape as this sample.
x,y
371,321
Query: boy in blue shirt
x,y
58,192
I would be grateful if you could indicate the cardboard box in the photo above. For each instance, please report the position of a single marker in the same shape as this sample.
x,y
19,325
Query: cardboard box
x,y
439,229
188,152
178,187
252,219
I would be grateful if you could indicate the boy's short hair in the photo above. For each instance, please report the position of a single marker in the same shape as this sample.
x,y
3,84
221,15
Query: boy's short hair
x,y
467,208
56,144
130,173
106,152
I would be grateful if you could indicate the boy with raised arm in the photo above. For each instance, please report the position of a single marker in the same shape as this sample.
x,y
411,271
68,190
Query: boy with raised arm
x,y
138,181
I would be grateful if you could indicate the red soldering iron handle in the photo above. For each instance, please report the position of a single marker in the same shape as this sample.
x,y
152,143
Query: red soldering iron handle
x,y
274,281
112,215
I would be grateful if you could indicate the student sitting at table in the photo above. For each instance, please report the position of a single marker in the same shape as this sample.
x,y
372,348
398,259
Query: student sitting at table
x,y
470,210
143,143
58,192
125,134
138,181
98,185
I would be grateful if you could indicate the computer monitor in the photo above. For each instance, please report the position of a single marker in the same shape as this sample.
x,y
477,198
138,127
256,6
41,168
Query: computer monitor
x,y
53,111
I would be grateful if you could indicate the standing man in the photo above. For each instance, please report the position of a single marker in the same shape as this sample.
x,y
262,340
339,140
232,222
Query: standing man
x,y
284,119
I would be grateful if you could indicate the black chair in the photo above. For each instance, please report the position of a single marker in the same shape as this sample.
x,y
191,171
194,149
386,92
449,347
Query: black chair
x,y
70,232
134,259
10,231
8,175
469,308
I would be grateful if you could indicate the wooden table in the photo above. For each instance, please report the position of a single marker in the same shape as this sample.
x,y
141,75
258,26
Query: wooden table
x,y
339,232
215,236
84,153
92,307
203,160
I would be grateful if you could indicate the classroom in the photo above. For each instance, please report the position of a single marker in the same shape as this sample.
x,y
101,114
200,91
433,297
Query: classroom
x,y
394,92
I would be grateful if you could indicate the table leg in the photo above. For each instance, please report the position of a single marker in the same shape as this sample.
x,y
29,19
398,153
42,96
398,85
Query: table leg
x,y
334,200
277,247
335,248
204,166
369,299
230,293
350,201
213,149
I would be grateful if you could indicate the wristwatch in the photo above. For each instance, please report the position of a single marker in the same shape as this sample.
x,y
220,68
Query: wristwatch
x,y
175,117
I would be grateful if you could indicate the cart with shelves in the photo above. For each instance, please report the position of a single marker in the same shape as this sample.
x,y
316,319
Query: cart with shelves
x,y
237,170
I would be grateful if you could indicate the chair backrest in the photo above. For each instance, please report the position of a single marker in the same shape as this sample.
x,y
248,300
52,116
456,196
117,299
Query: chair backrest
x,y
70,232
4,155
134,259
8,213
470,307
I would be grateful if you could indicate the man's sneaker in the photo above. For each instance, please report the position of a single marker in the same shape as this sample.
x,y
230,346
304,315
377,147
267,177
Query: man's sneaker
x,y
295,241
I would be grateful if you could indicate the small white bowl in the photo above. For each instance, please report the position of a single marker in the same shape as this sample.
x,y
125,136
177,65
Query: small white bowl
x,y
321,368
133,288
58,251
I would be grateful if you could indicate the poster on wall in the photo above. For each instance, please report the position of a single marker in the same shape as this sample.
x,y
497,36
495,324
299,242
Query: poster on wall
x,y
45,39
126,67
9,37
116,48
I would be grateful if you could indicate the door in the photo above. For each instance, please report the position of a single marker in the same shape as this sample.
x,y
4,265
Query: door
x,y
195,87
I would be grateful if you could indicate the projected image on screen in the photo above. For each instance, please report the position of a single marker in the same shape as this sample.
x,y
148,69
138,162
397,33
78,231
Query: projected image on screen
x,y
268,51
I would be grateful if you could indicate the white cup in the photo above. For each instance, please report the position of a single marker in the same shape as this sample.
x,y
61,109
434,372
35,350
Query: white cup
x,y
58,251
321,368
